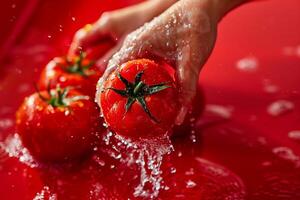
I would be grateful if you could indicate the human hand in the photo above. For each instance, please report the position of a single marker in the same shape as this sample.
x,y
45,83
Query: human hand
x,y
114,25
184,36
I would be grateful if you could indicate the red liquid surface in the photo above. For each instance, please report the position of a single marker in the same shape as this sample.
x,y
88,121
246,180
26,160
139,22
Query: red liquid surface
x,y
243,152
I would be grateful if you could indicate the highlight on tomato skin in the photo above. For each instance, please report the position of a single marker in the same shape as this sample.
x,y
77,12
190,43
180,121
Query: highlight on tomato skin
x,y
139,100
58,125
77,71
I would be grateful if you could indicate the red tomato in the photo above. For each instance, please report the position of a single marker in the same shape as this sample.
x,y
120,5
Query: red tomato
x,y
139,100
78,72
58,125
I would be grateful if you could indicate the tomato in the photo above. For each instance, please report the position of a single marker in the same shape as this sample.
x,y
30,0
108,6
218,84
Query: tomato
x,y
78,72
139,100
58,125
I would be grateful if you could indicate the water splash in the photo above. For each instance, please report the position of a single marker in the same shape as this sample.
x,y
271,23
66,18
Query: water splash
x,y
147,155
14,148
45,194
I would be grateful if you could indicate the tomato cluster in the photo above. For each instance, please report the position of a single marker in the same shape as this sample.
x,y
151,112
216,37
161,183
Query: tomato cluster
x,y
138,100
61,121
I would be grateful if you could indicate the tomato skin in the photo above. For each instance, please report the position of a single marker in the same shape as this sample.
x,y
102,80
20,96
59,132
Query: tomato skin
x,y
55,73
58,133
136,123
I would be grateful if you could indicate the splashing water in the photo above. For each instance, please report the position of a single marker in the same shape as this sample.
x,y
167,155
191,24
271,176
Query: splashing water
x,y
147,154
45,194
14,148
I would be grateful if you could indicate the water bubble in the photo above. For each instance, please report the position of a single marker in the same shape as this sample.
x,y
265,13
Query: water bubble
x,y
14,147
179,154
190,184
221,111
6,123
280,107
295,135
287,154
60,28
173,170
247,64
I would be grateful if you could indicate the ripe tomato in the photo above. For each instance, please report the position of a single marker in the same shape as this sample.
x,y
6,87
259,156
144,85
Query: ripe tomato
x,y
78,72
139,100
58,125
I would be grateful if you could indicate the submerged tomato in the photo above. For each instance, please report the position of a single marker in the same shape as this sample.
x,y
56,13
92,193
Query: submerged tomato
x,y
139,100
58,125
78,72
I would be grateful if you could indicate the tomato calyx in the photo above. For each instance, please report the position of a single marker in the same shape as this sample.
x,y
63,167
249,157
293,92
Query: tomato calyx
x,y
58,97
137,91
78,67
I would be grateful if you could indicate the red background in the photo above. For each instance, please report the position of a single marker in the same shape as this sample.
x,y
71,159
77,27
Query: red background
x,y
30,36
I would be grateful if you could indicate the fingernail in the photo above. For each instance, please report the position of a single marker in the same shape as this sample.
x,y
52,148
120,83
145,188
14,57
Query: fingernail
x,y
88,27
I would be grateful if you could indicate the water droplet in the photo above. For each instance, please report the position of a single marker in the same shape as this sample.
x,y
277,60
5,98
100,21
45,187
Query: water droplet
x,y
73,19
270,87
221,111
6,123
179,154
13,6
172,170
190,172
14,148
287,154
190,184
60,28
248,64
49,36
280,107
295,135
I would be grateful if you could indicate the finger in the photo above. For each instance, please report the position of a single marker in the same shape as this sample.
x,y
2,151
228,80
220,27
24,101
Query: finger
x,y
188,68
102,62
91,35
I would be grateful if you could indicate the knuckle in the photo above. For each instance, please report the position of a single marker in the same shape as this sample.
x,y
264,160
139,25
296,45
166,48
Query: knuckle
x,y
106,20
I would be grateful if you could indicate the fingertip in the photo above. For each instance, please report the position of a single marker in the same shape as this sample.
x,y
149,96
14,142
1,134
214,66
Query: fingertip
x,y
181,115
